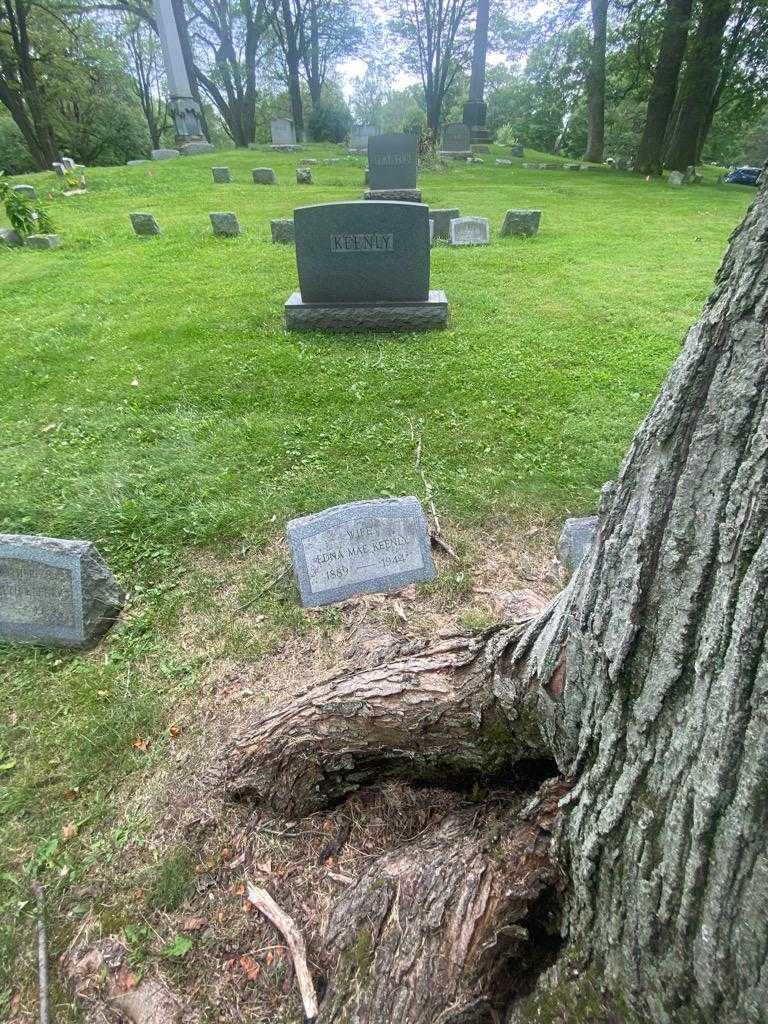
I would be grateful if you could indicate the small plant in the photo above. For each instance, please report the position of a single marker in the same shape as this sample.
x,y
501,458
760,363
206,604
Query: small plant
x,y
507,136
26,217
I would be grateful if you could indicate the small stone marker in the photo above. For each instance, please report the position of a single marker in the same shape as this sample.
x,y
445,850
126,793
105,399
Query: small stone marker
x,y
282,231
28,191
59,168
221,175
263,176
195,148
431,232
577,538
144,224
675,179
68,163
517,150
225,224
503,163
470,231
520,222
457,141
303,176
165,154
133,163
308,161
442,220
58,593
392,164
571,167
365,547
42,241
10,238
359,135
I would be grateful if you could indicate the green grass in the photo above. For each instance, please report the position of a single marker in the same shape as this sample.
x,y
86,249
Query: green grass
x,y
556,348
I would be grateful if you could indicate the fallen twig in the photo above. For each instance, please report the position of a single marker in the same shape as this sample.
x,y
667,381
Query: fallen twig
x,y
261,899
436,531
264,590
42,955
438,541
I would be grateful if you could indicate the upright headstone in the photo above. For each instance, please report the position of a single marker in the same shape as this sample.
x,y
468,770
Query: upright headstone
x,y
59,168
675,179
577,538
442,221
10,238
165,154
359,135
263,176
517,149
28,191
68,163
364,266
393,167
282,231
283,133
457,141
364,547
303,176
58,593
225,224
144,224
520,222
470,231
221,175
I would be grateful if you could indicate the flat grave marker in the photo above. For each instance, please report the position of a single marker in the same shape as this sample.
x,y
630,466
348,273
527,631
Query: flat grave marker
x,y
364,547
58,593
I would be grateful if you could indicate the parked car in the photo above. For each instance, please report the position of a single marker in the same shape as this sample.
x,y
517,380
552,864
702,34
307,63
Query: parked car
x,y
744,176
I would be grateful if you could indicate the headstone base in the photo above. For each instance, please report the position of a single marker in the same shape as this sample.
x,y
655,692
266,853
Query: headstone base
x,y
193,148
401,195
165,154
377,317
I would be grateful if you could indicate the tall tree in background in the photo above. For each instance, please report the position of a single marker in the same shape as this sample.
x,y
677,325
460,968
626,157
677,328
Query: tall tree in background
x,y
331,31
287,21
437,37
674,38
145,63
697,87
596,82
25,49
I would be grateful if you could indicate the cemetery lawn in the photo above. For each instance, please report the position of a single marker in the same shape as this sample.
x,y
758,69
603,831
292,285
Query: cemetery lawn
x,y
153,404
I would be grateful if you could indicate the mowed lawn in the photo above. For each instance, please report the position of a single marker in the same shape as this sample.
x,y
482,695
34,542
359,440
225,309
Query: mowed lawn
x,y
153,403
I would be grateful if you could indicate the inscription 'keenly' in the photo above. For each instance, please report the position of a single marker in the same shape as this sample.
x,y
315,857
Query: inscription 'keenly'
x,y
369,242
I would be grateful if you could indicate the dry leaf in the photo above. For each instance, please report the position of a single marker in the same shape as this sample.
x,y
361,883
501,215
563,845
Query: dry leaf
x,y
251,968
69,831
265,867
193,924
175,730
140,744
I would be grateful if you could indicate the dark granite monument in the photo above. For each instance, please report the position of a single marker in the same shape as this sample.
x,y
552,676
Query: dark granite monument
x,y
364,266
359,134
442,221
393,167
520,222
58,593
364,547
456,142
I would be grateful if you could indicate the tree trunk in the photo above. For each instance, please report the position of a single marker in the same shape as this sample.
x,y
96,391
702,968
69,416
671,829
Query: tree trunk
x,y
697,86
596,83
674,38
646,681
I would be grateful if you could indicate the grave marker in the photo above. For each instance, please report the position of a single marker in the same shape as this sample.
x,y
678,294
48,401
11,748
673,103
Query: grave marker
x,y
303,176
221,175
365,547
470,231
225,224
442,221
359,134
10,238
165,154
520,222
282,231
456,142
28,191
58,593
263,176
393,167
144,224
42,241
364,266
282,133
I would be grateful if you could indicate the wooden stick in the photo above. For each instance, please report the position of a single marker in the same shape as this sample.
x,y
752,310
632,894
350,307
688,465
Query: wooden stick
x,y
42,955
261,899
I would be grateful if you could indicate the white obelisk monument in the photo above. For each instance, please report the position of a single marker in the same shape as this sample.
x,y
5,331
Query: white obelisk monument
x,y
186,112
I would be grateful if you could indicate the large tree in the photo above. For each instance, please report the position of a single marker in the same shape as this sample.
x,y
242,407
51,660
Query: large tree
x,y
641,691
596,82
697,86
674,38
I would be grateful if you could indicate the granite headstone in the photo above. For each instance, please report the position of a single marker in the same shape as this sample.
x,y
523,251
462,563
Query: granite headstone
x,y
577,538
442,221
144,224
221,175
470,231
27,191
282,131
392,161
359,135
520,222
10,238
42,241
364,547
165,154
263,176
225,224
456,139
58,593
282,230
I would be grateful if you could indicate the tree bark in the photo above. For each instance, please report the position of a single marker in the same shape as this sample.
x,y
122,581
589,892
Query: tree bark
x,y
596,83
674,38
697,86
646,681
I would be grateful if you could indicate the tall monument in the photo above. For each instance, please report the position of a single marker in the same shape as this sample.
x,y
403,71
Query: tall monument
x,y
475,108
185,111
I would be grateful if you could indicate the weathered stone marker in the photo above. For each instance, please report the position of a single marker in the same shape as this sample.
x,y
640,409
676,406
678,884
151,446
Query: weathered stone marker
x,y
10,238
144,224
263,176
225,224
577,538
520,222
42,241
303,176
364,266
470,231
55,592
517,150
442,221
221,175
282,230
457,141
365,547
28,191
359,135
676,179
283,133
165,154
393,167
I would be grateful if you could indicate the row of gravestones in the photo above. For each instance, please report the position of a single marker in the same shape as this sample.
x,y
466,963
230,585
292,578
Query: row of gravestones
x,y
61,593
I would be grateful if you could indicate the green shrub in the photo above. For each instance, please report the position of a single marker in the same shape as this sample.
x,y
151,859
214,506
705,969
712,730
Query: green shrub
x,y
330,120
27,217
